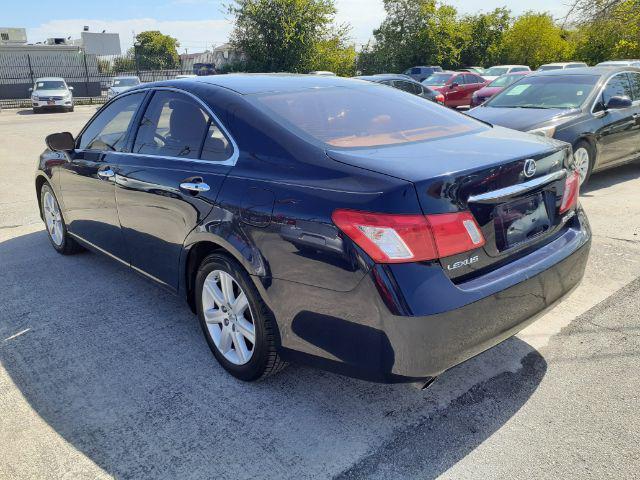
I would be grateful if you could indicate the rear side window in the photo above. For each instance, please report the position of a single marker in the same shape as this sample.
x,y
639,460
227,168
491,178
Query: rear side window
x,y
617,86
363,116
174,125
519,69
108,130
635,85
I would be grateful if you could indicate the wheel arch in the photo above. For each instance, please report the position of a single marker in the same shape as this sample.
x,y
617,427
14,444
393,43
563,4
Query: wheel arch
x,y
41,179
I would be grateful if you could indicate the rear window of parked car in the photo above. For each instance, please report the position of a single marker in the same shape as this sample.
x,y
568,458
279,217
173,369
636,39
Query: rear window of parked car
x,y
365,116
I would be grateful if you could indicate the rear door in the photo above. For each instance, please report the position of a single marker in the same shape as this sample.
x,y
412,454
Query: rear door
x,y
634,78
87,180
170,180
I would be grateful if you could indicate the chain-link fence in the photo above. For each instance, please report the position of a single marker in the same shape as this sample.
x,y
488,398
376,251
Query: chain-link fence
x,y
89,75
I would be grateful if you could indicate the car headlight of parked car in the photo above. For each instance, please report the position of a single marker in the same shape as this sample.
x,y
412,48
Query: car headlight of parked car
x,y
34,98
548,131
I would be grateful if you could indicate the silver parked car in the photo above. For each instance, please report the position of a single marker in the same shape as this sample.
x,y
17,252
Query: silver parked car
x,y
51,93
122,84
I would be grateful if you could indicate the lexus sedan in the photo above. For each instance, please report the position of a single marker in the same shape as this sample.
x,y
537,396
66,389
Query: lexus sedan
x,y
596,110
51,93
122,84
402,82
324,220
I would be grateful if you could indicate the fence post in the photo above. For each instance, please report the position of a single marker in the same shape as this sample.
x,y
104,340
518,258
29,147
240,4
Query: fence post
x,y
30,68
135,56
86,76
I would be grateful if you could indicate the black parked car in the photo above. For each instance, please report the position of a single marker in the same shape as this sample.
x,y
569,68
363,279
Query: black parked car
x,y
420,73
326,220
402,82
597,110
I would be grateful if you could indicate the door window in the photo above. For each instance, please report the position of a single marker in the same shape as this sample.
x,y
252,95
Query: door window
x,y
175,125
635,85
406,86
470,79
108,130
617,86
519,69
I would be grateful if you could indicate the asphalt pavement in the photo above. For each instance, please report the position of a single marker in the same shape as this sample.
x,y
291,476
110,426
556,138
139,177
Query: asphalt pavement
x,y
103,374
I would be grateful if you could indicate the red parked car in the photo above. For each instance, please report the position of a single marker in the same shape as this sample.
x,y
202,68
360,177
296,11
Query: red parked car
x,y
496,86
457,87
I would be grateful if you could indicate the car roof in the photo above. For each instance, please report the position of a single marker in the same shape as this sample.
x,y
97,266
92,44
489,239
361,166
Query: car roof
x,y
509,66
385,76
126,76
255,83
561,63
586,71
618,62
45,79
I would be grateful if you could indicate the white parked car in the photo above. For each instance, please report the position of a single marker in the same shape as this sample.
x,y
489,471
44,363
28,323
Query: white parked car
x,y
620,63
185,75
496,71
122,84
51,93
322,72
561,66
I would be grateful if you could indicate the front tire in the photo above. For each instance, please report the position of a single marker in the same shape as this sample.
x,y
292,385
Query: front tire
x,y
584,159
56,228
239,327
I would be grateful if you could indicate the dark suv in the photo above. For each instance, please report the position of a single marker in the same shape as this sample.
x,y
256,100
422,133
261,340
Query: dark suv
x,y
420,73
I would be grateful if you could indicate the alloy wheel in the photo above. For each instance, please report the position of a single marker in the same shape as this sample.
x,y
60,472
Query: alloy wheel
x,y
228,317
53,218
581,163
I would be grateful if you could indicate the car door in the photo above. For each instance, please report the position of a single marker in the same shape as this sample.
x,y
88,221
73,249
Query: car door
x,y
455,91
170,180
87,179
617,133
634,78
472,83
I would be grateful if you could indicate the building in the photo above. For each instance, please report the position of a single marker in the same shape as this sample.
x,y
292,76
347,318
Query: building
x,y
12,36
218,58
226,54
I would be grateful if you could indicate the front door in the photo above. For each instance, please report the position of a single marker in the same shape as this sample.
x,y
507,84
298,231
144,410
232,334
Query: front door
x,y
87,179
170,181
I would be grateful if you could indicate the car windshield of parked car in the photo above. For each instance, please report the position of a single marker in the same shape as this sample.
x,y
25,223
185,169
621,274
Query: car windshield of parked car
x,y
567,91
544,68
504,80
126,82
437,79
496,71
366,116
50,85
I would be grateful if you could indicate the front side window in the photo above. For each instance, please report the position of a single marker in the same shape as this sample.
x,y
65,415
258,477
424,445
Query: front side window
x,y
108,130
561,91
363,116
617,86
635,85
174,125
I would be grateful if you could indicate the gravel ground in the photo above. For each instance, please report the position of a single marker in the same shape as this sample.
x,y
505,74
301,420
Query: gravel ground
x,y
103,374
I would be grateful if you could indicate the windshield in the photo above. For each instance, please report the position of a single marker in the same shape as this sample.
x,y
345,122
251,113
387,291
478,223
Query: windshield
x,y
437,79
550,67
566,91
126,82
364,116
505,80
496,71
51,85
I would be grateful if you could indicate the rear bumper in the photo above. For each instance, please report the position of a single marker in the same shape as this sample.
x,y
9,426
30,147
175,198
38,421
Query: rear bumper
x,y
405,324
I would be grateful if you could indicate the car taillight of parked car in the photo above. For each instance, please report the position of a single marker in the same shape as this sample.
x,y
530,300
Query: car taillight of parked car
x,y
389,238
571,192
440,98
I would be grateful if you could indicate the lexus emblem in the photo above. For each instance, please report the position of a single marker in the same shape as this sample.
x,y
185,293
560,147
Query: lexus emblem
x,y
529,167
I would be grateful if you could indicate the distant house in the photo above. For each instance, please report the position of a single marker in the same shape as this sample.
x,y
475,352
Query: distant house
x,y
225,54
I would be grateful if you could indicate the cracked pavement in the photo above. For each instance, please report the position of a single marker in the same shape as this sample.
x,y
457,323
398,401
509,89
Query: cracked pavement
x,y
103,374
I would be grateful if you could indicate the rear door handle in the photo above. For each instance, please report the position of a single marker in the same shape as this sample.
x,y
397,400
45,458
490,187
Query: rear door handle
x,y
106,173
195,187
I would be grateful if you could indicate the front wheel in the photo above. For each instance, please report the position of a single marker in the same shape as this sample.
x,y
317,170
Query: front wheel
x,y
583,160
239,327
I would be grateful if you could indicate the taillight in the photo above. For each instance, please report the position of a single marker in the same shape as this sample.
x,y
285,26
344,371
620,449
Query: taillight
x,y
410,238
571,192
440,98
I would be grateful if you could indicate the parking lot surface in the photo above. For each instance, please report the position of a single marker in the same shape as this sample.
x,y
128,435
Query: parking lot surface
x,y
103,374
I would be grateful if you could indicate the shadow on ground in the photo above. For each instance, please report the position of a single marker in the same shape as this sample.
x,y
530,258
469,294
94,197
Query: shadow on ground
x,y
612,176
121,371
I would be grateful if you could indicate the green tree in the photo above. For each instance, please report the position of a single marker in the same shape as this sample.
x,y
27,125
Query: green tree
x,y
124,64
290,35
535,39
485,34
156,51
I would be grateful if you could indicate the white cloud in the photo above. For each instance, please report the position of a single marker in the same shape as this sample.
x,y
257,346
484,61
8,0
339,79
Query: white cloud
x,y
363,15
195,35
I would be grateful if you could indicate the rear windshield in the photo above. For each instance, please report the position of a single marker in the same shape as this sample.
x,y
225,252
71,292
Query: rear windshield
x,y
496,71
566,91
437,79
50,85
365,116
505,80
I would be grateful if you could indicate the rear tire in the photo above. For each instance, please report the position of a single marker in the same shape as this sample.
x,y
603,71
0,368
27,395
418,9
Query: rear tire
x,y
229,328
56,227
584,160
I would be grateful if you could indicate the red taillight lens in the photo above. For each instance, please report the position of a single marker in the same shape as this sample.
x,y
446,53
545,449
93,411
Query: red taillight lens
x,y
571,192
409,238
440,98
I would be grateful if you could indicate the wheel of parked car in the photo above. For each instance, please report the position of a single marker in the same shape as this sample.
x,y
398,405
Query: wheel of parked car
x,y
56,228
584,157
239,327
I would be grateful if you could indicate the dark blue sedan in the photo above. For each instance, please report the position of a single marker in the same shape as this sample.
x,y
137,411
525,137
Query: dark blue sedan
x,y
328,221
596,110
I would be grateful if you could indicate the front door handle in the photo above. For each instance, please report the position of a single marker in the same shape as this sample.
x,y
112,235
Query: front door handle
x,y
106,173
195,187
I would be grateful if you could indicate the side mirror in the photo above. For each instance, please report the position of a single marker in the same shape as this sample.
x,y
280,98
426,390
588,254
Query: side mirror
x,y
71,88
454,85
60,142
618,102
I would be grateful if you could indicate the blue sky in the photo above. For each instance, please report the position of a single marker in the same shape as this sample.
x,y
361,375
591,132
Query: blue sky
x,y
198,24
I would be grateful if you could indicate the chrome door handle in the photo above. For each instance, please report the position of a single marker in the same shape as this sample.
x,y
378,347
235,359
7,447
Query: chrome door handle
x,y
107,173
195,187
